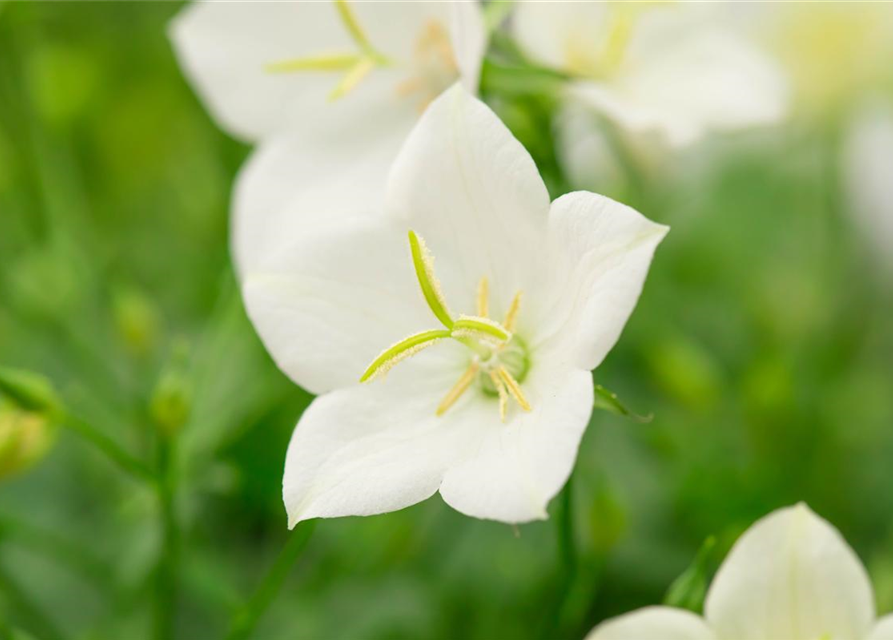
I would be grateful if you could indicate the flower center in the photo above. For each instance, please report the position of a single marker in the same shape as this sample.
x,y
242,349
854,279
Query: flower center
x,y
433,66
499,359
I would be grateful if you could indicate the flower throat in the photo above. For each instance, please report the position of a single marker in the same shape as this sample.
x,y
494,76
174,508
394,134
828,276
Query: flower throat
x,y
499,361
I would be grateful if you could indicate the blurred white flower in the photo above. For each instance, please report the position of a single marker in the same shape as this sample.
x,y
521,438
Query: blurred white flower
x,y
868,177
333,87
492,414
791,576
832,51
654,67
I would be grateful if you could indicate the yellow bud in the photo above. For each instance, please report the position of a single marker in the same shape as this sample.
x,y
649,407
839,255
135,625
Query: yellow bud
x,y
25,437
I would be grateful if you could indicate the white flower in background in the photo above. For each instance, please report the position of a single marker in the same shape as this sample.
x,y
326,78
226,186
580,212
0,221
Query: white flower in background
x,y
334,87
524,300
868,176
654,67
791,576
832,51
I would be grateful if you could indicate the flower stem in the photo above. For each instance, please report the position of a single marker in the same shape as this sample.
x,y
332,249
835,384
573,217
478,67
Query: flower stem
x,y
567,545
167,569
246,618
108,447
567,555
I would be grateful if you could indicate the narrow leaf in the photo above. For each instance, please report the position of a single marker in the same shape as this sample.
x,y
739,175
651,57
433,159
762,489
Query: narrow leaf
x,y
689,589
608,401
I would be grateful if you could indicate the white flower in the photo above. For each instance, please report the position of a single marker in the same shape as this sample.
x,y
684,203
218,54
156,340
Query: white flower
x,y
332,87
791,576
654,69
526,300
832,51
868,177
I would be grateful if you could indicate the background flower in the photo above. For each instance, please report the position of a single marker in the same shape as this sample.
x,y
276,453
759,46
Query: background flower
x,y
293,73
791,576
867,169
654,68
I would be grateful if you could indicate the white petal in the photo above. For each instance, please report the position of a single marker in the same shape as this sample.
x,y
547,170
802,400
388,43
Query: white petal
x,y
330,303
465,184
600,257
868,173
883,629
297,182
468,35
517,467
792,576
584,149
224,48
553,33
378,447
688,86
654,623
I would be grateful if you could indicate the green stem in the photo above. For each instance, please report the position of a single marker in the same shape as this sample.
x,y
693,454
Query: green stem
x,y
247,616
26,609
167,570
567,544
567,555
108,447
519,79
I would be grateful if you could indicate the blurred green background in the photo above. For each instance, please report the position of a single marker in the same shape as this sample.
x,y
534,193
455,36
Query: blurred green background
x,y
763,344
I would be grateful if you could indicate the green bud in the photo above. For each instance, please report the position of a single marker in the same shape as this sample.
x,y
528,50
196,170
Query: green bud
x,y
25,437
171,400
690,588
30,391
136,321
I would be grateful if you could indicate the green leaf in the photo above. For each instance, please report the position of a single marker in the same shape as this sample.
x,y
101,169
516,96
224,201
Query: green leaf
x,y
689,589
608,401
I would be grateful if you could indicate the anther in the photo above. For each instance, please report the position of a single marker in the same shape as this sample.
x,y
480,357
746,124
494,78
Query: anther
x,y
483,297
512,314
513,388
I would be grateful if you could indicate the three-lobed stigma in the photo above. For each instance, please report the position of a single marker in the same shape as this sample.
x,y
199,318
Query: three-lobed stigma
x,y
499,360
432,68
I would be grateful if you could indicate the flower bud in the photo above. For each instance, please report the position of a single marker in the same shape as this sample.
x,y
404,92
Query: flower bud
x,y
171,400
30,391
136,321
25,437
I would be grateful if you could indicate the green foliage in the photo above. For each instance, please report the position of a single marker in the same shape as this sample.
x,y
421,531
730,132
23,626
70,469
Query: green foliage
x,y
761,344
689,589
